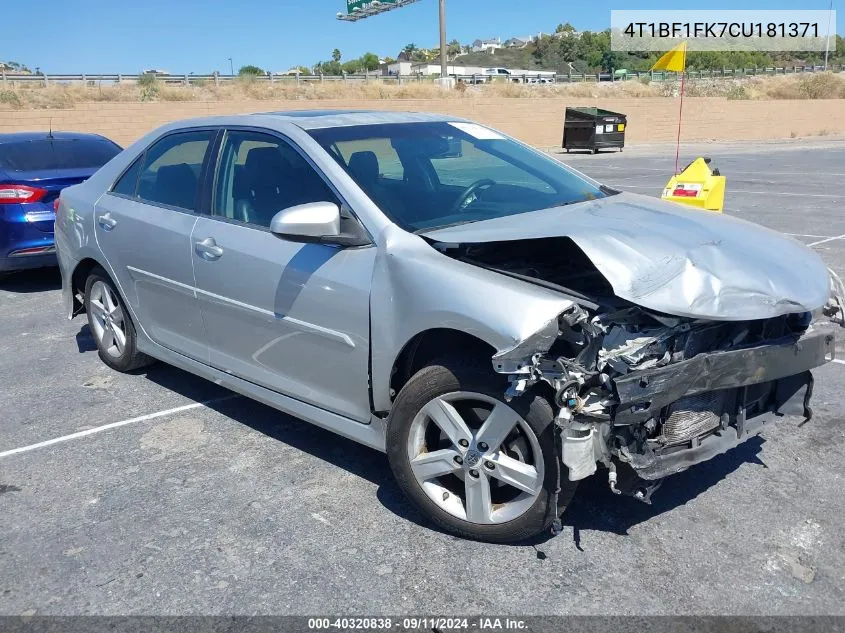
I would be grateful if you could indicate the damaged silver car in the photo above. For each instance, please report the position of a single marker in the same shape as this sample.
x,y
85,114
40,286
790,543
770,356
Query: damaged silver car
x,y
497,323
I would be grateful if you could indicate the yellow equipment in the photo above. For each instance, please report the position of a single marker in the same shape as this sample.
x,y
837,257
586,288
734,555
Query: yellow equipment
x,y
698,186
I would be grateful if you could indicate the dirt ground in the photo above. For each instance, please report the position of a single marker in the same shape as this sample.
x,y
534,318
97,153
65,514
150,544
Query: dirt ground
x,y
533,120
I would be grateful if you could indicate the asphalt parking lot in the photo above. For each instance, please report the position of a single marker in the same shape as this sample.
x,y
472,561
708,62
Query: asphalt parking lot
x,y
172,496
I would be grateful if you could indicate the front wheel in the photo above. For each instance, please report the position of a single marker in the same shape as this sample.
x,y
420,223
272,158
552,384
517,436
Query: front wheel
x,y
477,466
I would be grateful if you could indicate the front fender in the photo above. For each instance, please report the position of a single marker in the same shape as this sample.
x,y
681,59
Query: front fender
x,y
416,288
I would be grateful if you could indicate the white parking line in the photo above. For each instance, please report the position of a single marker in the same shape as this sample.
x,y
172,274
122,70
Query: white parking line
x,y
829,239
114,425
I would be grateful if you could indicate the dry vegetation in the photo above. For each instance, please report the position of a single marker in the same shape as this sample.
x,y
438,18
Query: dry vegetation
x,y
810,86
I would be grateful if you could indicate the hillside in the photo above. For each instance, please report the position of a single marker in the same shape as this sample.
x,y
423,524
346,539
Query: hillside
x,y
505,57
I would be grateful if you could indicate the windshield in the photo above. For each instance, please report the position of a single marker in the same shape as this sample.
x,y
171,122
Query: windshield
x,y
49,154
430,175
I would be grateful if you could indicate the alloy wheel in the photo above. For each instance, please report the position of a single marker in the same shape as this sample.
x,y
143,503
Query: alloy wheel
x,y
109,322
475,457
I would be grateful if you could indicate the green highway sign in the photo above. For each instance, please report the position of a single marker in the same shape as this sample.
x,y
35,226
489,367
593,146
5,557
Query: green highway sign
x,y
358,9
353,5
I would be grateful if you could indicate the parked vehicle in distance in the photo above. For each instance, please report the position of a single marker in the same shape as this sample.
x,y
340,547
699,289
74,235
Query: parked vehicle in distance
x,y
34,168
493,74
499,324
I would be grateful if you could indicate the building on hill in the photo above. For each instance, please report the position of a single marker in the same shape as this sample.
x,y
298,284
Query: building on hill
x,y
486,46
518,42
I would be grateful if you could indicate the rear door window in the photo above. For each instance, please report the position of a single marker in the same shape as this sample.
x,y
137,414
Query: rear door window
x,y
59,153
172,168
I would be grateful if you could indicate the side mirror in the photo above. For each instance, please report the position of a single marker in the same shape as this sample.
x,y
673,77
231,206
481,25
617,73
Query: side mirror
x,y
308,222
318,222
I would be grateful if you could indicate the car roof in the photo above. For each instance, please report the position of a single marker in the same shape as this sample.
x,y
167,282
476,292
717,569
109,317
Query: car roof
x,y
23,137
317,119
303,119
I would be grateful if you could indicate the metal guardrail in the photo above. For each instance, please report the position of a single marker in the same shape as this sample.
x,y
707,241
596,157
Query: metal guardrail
x,y
195,80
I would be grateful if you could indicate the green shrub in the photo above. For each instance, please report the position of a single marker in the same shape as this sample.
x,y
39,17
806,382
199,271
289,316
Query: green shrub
x,y
10,97
250,71
150,92
819,86
737,93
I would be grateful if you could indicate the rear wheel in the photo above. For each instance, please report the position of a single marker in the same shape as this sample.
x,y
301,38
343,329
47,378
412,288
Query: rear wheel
x,y
110,324
477,466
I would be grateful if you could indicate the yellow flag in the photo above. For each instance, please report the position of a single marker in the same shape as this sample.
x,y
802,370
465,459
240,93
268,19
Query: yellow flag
x,y
675,60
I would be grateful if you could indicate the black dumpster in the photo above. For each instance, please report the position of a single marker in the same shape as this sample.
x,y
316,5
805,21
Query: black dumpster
x,y
593,129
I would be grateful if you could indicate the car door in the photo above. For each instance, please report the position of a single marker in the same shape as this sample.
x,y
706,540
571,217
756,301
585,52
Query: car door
x,y
290,316
143,227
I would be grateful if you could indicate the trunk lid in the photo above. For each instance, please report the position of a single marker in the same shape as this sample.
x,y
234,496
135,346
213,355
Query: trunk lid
x,y
40,214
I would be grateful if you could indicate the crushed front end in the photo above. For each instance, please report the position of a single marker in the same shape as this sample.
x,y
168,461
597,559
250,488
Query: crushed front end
x,y
648,395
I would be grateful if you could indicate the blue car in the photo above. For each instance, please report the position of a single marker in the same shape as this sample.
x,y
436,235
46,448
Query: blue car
x,y
34,168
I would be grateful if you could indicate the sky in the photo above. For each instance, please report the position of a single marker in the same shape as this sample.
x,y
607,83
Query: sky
x,y
183,36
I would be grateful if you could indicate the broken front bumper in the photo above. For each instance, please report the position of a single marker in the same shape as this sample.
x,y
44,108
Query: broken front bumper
x,y
758,384
642,394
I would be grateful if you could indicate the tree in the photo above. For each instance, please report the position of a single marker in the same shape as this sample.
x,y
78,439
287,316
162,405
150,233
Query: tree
x,y
328,68
610,61
410,49
336,55
565,28
593,46
250,71
454,48
352,67
369,61
556,52
15,67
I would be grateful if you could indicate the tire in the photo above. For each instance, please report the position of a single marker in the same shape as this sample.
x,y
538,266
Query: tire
x,y
471,387
110,321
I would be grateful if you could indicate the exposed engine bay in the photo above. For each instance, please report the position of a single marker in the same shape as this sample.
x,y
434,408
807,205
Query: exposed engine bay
x,y
643,393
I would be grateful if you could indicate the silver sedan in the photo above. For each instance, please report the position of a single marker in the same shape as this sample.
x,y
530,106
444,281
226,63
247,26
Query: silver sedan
x,y
497,323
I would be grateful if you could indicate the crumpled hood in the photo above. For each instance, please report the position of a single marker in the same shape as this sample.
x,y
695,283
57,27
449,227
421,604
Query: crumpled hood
x,y
674,259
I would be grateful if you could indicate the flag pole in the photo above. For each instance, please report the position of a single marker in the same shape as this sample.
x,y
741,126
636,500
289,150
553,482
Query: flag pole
x,y
680,112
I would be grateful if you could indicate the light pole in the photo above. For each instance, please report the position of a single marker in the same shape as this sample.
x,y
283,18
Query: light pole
x,y
444,63
827,40
231,67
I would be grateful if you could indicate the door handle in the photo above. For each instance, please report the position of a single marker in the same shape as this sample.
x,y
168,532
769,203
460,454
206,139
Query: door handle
x,y
107,222
208,249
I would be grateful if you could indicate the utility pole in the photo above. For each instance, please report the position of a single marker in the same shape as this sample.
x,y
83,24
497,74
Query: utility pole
x,y
827,40
444,62
231,67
